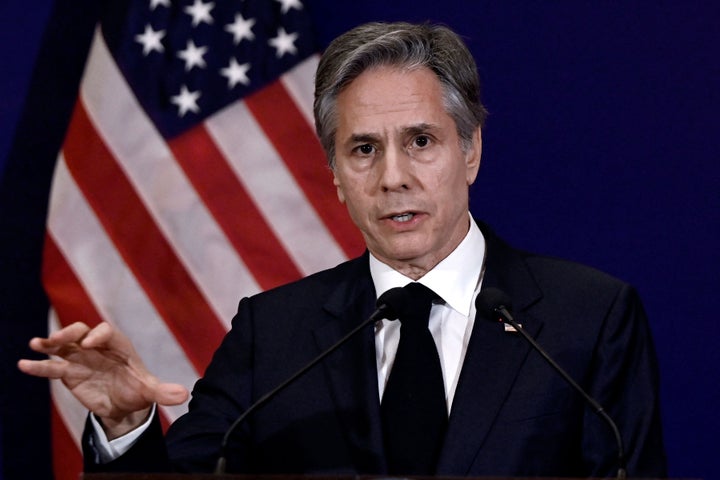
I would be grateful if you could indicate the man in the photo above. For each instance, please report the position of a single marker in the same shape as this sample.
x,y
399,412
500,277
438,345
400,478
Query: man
x,y
397,110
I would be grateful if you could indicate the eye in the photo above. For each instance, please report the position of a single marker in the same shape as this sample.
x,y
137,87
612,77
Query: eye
x,y
365,149
421,141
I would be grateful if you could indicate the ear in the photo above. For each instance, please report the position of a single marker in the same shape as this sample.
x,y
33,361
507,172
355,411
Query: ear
x,y
338,187
472,157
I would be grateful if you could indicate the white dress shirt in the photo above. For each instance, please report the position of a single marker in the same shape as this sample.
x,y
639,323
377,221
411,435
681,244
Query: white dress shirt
x,y
108,450
456,279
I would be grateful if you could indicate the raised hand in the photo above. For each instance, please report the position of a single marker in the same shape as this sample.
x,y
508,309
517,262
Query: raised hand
x,y
104,372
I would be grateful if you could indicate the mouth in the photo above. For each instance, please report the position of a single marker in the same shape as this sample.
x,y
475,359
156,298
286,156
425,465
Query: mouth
x,y
402,217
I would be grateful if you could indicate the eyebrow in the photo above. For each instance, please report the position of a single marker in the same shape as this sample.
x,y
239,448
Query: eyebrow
x,y
419,128
362,138
409,130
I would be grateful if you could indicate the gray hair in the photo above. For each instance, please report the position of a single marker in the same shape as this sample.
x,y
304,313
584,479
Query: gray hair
x,y
405,46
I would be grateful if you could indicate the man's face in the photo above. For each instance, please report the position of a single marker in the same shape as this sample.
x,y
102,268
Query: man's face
x,y
400,169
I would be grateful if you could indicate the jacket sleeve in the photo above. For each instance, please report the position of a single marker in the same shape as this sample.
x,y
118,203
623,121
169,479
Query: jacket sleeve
x,y
192,443
626,383
148,453
218,399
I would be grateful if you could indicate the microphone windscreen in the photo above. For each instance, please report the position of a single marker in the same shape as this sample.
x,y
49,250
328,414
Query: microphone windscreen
x,y
491,299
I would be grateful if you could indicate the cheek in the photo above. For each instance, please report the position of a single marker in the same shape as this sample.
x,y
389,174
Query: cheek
x,y
448,186
448,178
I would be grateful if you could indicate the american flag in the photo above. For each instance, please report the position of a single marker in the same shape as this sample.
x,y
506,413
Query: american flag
x,y
190,176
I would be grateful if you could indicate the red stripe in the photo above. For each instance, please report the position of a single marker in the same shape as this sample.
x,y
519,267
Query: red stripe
x,y
140,243
67,295
286,127
67,458
233,209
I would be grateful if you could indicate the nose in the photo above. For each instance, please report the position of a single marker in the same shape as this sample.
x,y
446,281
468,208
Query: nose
x,y
396,170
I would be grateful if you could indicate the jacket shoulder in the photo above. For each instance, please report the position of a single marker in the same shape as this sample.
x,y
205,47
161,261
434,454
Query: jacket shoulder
x,y
319,285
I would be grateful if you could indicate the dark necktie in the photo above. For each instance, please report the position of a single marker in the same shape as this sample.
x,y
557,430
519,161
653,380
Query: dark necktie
x,y
414,410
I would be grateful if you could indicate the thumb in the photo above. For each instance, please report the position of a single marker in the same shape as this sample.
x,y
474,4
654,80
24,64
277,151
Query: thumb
x,y
170,394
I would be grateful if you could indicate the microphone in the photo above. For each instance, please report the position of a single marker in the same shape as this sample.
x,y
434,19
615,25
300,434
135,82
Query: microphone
x,y
389,305
496,303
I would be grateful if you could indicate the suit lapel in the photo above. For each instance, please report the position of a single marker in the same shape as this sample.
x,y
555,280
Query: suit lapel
x,y
492,362
351,370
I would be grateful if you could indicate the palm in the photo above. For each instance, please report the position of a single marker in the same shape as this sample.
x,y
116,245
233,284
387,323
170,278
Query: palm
x,y
107,382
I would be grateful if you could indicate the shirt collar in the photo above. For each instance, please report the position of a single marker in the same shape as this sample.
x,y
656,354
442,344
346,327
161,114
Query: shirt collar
x,y
454,278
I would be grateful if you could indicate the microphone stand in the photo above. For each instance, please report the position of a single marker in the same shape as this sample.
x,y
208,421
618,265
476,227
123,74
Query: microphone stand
x,y
383,310
507,317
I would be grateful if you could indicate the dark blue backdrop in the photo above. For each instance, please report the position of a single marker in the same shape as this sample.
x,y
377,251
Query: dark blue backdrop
x,y
601,147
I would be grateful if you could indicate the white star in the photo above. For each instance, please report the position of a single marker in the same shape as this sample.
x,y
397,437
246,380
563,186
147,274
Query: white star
x,y
284,42
236,73
193,56
241,28
186,101
288,4
151,40
200,12
155,3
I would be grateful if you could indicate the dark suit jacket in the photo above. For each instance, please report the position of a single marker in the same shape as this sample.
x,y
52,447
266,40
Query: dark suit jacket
x,y
512,414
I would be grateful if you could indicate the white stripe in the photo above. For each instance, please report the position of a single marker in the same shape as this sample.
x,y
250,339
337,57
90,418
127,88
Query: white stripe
x,y
300,84
70,410
180,214
113,289
279,198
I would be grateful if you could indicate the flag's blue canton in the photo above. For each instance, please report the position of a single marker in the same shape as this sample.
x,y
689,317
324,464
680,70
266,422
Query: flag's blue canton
x,y
187,59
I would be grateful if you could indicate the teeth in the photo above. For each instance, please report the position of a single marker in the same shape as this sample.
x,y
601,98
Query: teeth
x,y
405,217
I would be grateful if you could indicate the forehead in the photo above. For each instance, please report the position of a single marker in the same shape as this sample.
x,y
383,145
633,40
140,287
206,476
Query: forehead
x,y
385,97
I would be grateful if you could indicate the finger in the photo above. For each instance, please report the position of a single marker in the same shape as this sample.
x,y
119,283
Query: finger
x,y
43,368
107,336
71,334
50,347
40,345
170,394
99,336
67,337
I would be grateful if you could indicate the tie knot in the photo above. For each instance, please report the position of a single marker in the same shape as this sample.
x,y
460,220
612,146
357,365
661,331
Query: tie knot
x,y
418,308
